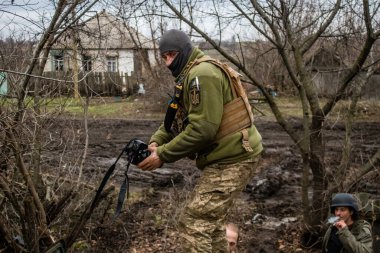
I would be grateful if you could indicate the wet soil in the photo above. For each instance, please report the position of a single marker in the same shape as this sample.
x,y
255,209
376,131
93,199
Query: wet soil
x,y
268,212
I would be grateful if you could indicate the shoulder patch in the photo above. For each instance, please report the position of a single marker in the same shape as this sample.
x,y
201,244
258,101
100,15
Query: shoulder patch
x,y
195,92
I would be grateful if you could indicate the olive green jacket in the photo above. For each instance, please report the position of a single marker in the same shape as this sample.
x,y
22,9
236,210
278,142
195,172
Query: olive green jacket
x,y
204,119
356,240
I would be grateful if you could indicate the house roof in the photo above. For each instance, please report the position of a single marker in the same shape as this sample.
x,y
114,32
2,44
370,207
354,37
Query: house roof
x,y
106,31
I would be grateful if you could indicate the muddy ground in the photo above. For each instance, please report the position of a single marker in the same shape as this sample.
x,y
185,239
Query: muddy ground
x,y
268,211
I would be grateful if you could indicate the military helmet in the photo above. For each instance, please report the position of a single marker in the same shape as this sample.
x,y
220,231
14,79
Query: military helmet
x,y
344,199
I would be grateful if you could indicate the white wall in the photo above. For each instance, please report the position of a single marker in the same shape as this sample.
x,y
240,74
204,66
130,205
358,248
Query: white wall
x,y
152,59
99,61
125,63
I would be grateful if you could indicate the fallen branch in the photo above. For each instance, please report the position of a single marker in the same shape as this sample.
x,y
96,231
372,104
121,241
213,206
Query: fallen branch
x,y
70,239
32,236
54,209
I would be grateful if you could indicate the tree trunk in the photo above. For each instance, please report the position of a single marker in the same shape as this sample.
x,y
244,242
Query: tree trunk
x,y
317,166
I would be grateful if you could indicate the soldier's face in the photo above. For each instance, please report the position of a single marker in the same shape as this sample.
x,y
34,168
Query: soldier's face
x,y
169,57
344,213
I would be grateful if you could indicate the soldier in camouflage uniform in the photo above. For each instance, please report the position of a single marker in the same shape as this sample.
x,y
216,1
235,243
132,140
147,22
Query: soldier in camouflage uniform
x,y
348,234
226,164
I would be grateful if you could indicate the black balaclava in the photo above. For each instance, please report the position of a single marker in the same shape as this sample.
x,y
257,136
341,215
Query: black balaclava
x,y
176,40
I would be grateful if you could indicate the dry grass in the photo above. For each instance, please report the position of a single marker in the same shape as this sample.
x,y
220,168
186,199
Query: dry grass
x,y
111,108
368,110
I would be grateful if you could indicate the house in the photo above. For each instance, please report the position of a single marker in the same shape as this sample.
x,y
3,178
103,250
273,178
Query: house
x,y
103,47
329,61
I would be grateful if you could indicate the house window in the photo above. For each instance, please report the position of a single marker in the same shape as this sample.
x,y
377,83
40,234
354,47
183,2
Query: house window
x,y
111,64
58,62
86,63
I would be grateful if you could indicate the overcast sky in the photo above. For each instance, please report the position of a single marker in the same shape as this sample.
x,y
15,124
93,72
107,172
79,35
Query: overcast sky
x,y
23,17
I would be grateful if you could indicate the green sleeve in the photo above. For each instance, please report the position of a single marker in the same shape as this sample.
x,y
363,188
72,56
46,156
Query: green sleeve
x,y
203,118
161,136
359,244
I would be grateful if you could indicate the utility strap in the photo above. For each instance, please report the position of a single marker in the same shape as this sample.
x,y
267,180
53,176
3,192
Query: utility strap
x,y
87,212
104,182
173,107
124,189
245,140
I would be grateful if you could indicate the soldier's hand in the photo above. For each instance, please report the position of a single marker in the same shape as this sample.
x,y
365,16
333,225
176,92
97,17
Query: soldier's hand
x,y
340,224
153,161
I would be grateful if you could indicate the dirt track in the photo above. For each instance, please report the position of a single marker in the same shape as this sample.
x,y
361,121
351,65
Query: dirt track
x,y
148,225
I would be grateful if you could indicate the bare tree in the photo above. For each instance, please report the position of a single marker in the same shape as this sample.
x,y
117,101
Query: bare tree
x,y
31,202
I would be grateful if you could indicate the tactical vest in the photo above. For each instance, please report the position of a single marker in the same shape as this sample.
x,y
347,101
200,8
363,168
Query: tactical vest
x,y
237,114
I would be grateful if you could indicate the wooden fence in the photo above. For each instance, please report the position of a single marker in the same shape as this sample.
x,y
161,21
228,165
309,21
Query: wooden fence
x,y
116,84
95,83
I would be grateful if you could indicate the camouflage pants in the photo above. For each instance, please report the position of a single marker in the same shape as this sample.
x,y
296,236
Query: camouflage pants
x,y
202,222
